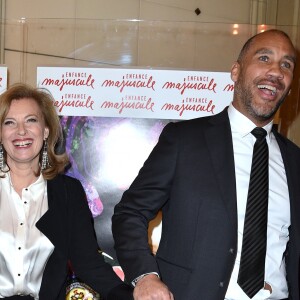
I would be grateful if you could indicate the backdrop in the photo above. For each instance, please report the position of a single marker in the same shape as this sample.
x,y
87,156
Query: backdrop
x,y
112,119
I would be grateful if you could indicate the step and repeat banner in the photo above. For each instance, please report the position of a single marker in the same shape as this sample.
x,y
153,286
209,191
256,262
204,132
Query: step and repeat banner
x,y
136,93
112,119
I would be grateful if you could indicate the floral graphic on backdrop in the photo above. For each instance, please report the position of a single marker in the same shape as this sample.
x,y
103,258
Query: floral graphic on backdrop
x,y
105,155
76,130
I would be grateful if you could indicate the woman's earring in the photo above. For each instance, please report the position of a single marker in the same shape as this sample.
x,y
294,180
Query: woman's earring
x,y
45,160
1,157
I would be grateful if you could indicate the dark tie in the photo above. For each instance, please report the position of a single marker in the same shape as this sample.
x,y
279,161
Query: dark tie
x,y
252,266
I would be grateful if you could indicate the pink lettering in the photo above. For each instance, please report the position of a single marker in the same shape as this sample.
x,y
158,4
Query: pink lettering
x,y
181,108
61,83
211,86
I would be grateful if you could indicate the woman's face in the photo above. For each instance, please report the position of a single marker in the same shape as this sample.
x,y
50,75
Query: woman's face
x,y
23,132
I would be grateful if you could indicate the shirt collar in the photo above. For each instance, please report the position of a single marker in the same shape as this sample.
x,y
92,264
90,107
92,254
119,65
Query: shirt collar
x,y
241,124
36,188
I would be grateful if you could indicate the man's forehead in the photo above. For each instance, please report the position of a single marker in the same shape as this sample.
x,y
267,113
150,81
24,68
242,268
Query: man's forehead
x,y
269,42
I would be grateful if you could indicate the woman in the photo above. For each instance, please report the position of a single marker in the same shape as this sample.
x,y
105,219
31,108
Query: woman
x,y
44,217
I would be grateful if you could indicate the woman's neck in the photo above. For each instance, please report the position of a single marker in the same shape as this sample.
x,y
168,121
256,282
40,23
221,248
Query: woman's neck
x,y
22,178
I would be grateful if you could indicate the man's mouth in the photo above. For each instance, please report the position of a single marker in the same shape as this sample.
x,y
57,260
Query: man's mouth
x,y
268,89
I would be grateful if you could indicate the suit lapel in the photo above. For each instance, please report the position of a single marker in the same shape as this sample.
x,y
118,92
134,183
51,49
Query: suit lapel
x,y
50,224
291,169
47,224
219,141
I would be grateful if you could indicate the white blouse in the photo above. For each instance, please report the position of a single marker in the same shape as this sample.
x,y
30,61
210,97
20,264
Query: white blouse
x,y
24,250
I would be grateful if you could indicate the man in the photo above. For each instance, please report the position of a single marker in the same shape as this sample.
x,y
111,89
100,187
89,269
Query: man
x,y
198,174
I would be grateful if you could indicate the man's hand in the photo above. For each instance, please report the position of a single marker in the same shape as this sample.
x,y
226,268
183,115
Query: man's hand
x,y
151,287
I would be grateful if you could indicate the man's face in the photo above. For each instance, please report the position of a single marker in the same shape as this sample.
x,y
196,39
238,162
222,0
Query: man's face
x,y
263,77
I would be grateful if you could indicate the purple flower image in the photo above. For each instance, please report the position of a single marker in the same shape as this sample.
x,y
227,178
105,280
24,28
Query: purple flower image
x,y
106,155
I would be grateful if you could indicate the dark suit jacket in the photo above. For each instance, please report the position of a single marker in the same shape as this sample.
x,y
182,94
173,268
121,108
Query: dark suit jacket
x,y
190,174
68,225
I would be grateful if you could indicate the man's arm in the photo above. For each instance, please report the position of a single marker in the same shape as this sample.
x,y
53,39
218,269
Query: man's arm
x,y
140,203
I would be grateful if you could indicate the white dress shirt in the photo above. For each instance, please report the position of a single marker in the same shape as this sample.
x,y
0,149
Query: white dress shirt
x,y
278,208
24,250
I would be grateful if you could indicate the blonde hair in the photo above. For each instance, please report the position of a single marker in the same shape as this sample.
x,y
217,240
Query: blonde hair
x,y
57,161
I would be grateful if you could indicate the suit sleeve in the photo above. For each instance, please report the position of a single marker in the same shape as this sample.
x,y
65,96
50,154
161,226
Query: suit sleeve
x,y
148,193
88,264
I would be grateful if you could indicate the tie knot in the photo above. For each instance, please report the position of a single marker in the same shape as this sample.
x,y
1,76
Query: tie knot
x,y
259,133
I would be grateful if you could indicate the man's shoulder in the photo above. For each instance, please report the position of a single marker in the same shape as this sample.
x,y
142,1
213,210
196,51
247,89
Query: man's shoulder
x,y
203,121
286,141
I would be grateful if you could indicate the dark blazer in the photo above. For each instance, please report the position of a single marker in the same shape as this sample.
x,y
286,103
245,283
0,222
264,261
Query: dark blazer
x,y
190,175
68,225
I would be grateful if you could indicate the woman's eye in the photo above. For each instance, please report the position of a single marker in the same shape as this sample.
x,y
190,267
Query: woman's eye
x,y
32,120
8,122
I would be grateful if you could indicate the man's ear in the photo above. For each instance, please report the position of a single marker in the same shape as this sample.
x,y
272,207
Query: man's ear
x,y
235,71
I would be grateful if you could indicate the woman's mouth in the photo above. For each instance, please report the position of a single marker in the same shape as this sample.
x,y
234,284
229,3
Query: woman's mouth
x,y
23,143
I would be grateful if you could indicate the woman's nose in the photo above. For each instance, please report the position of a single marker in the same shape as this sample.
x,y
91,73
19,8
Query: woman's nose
x,y
21,130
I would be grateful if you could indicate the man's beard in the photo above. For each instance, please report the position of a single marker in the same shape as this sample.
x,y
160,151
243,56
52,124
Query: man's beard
x,y
258,112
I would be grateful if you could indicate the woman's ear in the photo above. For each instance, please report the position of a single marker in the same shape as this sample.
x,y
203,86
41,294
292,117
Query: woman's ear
x,y
235,71
46,133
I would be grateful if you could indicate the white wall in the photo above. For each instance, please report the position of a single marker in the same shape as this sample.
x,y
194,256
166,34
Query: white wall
x,y
140,33
169,34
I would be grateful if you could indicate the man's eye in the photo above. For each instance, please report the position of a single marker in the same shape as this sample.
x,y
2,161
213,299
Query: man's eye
x,y
264,58
286,64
